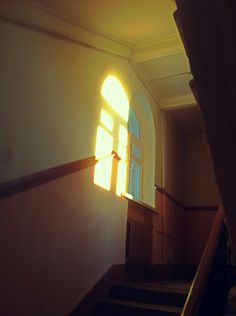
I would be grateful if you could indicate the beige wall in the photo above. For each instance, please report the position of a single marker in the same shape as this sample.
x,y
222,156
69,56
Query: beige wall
x,y
174,159
197,229
58,239
50,100
200,190
189,178
200,186
172,226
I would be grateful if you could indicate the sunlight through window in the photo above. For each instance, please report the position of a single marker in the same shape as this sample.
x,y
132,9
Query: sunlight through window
x,y
104,143
114,94
121,177
102,172
106,120
123,135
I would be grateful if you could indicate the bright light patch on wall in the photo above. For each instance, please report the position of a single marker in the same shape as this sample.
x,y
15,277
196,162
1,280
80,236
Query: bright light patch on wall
x,y
102,173
106,120
121,177
114,93
104,143
122,151
123,135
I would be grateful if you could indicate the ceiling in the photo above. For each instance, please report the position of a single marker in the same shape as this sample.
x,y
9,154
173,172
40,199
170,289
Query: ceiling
x,y
135,22
147,29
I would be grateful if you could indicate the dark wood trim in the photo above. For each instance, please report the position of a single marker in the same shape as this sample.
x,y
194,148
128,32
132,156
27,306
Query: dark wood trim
x,y
27,182
172,199
186,207
141,205
115,155
200,208
159,189
169,196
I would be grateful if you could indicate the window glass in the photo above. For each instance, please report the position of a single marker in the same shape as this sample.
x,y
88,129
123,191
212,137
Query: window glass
x,y
134,124
134,179
135,151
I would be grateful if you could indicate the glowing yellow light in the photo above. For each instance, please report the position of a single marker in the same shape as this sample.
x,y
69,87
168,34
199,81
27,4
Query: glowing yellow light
x,y
122,151
123,135
121,177
102,173
104,143
114,93
106,120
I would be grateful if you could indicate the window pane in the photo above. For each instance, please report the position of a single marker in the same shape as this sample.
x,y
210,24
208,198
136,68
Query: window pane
x,y
135,150
134,124
134,179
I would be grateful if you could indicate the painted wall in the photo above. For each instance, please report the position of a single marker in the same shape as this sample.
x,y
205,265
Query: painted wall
x,y
51,87
197,229
189,178
58,239
173,224
200,186
200,190
56,242
174,159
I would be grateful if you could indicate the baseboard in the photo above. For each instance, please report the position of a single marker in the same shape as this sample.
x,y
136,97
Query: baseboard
x,y
116,274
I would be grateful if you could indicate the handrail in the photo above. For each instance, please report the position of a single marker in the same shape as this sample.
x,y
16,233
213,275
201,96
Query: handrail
x,y
196,291
24,183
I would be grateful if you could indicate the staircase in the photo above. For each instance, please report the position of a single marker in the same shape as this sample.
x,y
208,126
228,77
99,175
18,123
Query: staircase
x,y
139,299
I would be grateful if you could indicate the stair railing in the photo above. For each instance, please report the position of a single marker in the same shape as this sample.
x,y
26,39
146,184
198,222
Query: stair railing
x,y
195,295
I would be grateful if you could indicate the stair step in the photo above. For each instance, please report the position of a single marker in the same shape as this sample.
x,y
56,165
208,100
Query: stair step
x,y
117,307
163,294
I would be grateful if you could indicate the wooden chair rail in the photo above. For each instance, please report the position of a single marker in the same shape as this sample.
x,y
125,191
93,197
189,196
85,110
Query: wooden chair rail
x,y
195,294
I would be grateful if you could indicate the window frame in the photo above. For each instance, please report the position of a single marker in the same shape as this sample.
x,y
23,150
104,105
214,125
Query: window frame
x,y
138,142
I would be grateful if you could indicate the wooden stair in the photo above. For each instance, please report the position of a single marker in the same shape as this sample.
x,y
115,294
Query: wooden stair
x,y
134,299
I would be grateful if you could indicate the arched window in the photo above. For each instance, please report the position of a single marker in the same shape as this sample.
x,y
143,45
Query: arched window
x,y
135,158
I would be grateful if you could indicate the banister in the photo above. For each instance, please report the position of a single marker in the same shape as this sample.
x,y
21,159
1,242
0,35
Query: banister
x,y
196,291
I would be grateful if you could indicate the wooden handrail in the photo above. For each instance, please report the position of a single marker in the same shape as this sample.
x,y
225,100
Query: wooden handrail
x,y
196,291
30,181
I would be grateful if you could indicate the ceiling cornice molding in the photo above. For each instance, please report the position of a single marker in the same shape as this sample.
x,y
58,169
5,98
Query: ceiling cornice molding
x,y
158,49
72,20
182,101
155,96
27,14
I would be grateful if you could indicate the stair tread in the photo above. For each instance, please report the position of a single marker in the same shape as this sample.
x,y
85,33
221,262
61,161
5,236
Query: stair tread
x,y
155,307
158,287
